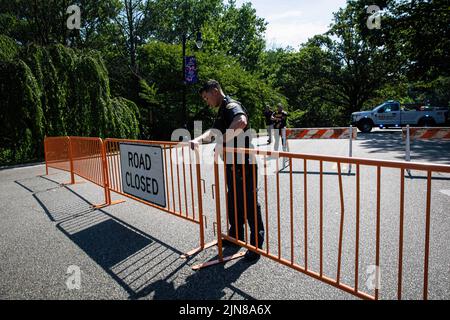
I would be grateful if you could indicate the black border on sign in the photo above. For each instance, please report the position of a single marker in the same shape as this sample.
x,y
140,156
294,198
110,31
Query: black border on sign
x,y
162,166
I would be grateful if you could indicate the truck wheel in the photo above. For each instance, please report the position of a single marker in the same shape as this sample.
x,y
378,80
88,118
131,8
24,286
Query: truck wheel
x,y
365,126
426,122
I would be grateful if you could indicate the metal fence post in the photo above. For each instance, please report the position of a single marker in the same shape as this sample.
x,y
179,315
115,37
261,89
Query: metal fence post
x,y
45,155
72,175
105,172
350,151
408,148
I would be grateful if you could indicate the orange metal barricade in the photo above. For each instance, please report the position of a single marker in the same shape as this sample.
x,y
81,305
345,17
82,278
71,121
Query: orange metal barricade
x,y
89,162
99,162
79,156
87,159
282,247
182,175
57,154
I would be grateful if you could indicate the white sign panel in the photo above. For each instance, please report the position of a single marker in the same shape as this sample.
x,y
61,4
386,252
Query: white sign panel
x,y
143,172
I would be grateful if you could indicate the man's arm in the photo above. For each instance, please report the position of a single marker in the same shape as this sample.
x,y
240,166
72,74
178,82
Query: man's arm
x,y
238,125
205,137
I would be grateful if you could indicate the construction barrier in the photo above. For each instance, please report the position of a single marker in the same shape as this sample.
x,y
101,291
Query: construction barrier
x,y
104,163
57,153
426,133
286,242
323,133
411,134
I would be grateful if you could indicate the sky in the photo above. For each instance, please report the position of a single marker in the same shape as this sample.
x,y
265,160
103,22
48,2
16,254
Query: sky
x,y
292,22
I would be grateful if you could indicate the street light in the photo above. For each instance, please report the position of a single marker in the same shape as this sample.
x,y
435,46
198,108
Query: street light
x,y
199,45
199,40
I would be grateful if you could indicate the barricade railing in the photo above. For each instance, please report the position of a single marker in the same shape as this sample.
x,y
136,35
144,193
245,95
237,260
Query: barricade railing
x,y
287,248
441,133
182,176
57,155
89,163
79,156
99,162
87,159
321,133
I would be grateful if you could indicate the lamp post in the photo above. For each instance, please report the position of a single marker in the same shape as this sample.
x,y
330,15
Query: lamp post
x,y
199,45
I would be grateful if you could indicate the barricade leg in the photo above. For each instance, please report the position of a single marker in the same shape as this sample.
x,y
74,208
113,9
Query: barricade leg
x,y
106,204
108,201
199,249
45,156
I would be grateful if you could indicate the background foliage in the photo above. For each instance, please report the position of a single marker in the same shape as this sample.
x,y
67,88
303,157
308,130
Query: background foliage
x,y
120,74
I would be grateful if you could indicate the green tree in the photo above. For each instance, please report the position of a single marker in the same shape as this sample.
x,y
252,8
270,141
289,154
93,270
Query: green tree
x,y
55,90
360,67
305,78
45,22
160,63
21,114
419,31
237,32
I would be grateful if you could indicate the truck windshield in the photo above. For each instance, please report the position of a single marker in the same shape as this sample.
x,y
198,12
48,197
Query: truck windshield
x,y
387,107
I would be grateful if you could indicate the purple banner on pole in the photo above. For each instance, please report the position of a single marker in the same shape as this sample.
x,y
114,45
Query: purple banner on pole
x,y
190,72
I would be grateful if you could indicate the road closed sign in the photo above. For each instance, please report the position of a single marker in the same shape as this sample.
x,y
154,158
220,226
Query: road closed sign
x,y
143,172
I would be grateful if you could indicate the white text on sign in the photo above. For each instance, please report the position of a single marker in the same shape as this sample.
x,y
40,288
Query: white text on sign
x,y
142,172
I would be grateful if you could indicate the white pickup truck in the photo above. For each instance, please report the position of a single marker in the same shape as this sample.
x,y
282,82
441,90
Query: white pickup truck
x,y
391,114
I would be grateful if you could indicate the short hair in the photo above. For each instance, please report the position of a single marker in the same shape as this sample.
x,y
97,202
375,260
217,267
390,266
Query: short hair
x,y
208,85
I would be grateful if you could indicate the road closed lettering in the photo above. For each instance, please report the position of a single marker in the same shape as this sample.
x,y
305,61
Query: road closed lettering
x,y
143,172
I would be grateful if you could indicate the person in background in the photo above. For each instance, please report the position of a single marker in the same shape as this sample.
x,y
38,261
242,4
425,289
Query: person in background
x,y
269,122
279,119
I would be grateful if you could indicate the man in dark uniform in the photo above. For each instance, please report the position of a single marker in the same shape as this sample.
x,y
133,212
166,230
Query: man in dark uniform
x,y
269,122
232,121
280,121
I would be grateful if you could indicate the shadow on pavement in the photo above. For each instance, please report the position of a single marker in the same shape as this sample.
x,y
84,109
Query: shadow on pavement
x,y
206,284
38,184
391,141
138,262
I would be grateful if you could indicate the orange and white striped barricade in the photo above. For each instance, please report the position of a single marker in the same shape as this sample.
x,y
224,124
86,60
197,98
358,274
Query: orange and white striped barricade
x,y
410,134
324,133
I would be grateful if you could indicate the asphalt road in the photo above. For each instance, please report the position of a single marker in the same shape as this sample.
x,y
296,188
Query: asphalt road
x,y
131,251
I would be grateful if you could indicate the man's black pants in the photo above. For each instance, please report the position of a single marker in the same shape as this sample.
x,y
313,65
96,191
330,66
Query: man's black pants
x,y
250,191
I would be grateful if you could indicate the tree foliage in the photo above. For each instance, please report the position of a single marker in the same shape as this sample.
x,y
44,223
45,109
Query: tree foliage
x,y
57,91
120,75
160,66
